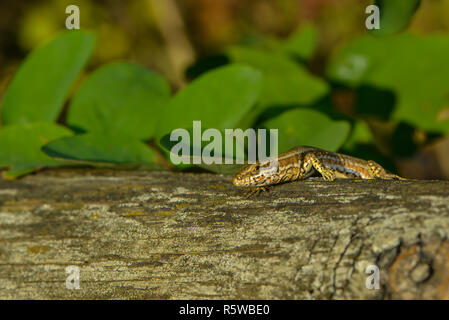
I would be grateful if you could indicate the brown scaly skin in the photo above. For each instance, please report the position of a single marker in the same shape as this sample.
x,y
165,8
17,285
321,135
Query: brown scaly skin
x,y
301,162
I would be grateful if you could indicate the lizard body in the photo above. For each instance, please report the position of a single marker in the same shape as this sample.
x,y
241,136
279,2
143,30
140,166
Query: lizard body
x,y
301,162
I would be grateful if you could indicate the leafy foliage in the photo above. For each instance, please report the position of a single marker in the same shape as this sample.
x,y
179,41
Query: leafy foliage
x,y
40,86
302,43
414,68
395,15
219,98
96,149
120,97
123,114
285,82
202,154
308,127
21,147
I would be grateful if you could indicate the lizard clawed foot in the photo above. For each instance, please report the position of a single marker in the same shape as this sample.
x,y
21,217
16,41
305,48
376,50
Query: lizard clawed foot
x,y
256,191
328,175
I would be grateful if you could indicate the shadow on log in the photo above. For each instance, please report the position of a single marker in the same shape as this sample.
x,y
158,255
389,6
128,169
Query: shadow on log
x,y
160,235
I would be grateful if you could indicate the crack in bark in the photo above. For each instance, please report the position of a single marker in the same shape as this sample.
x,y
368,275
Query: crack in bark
x,y
337,264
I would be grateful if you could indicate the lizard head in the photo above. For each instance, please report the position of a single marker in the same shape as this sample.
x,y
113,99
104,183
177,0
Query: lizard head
x,y
258,174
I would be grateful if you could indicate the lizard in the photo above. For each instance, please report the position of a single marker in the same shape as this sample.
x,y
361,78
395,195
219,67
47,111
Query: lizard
x,y
301,162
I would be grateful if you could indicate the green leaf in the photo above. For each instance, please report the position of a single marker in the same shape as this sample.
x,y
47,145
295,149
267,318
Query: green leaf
x,y
20,147
40,86
216,162
120,97
219,98
302,42
395,15
284,81
310,128
102,150
414,68
360,134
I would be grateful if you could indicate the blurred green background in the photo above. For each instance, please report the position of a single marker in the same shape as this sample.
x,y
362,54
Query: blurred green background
x,y
381,97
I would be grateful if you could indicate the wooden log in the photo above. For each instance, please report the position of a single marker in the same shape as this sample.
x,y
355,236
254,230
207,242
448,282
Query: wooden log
x,y
161,235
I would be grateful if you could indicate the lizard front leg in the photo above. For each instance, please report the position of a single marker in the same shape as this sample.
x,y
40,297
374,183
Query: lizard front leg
x,y
327,174
256,191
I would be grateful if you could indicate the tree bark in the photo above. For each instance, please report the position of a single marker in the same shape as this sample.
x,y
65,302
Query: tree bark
x,y
161,235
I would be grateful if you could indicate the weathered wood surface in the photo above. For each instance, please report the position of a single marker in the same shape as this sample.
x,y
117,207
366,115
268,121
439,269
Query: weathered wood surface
x,y
160,235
